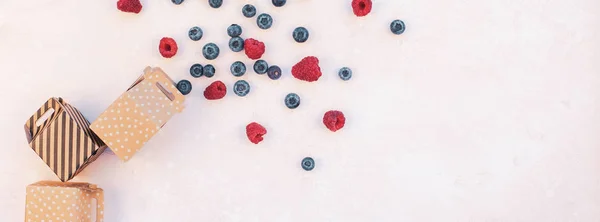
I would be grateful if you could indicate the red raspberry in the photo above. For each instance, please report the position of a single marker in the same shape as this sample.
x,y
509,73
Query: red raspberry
x,y
307,69
133,6
255,132
334,120
216,90
361,7
253,48
167,47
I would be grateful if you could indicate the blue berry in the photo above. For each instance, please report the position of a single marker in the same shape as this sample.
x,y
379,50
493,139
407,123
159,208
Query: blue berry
x,y
236,44
274,72
177,2
249,11
278,3
264,21
184,86
195,33
292,100
234,30
308,164
241,88
345,73
300,34
210,51
238,69
215,3
397,27
209,71
196,70
261,66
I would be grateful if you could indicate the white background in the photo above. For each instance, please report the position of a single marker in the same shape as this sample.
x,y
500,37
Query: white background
x,y
481,111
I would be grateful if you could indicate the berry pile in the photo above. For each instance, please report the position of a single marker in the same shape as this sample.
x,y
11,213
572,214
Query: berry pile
x,y
307,69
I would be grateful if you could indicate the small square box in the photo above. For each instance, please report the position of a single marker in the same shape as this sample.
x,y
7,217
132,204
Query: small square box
x,y
57,201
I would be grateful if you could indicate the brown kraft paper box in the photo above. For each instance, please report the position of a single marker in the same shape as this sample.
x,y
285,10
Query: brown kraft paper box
x,y
56,201
61,137
137,115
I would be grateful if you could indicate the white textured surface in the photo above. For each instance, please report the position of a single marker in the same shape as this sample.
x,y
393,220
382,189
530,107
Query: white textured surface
x,y
481,111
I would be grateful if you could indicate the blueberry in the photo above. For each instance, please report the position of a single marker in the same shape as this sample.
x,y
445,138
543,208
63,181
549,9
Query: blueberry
x,y
215,3
234,30
278,3
236,44
397,27
195,33
238,69
177,2
210,51
264,21
241,88
184,86
209,71
345,73
261,66
196,70
308,163
249,10
300,34
292,100
274,72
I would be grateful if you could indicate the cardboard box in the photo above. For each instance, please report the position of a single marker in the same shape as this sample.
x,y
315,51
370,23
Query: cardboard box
x,y
61,137
56,201
138,114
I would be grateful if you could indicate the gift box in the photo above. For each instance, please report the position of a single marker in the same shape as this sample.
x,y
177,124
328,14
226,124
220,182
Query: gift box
x,y
56,201
62,138
139,113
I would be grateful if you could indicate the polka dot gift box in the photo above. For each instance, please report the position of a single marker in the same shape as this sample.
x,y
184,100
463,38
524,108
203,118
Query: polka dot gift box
x,y
138,114
56,201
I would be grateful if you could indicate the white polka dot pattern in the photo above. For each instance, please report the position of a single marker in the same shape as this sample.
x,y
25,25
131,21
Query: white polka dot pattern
x,y
138,114
56,201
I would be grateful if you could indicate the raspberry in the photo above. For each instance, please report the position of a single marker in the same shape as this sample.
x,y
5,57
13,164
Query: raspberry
x,y
334,120
133,6
361,7
215,90
253,48
255,132
167,47
307,69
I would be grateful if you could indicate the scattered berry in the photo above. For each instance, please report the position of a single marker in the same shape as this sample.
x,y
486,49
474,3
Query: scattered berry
x,y
133,6
215,3
292,100
184,86
261,66
249,11
345,73
234,30
236,44
278,3
308,163
241,88
196,70
177,2
210,51
361,7
167,47
195,33
264,21
334,120
209,71
253,48
255,132
274,72
216,90
238,69
307,69
397,27
300,34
